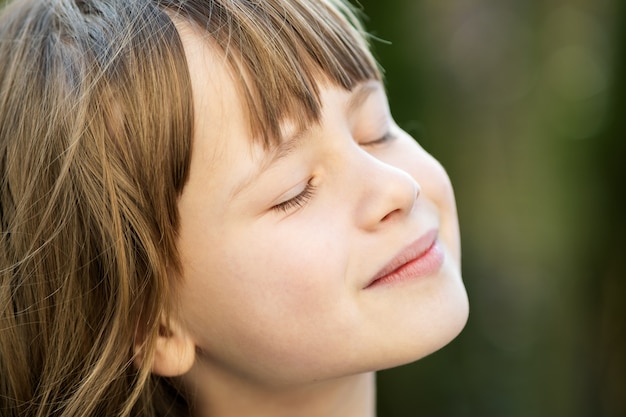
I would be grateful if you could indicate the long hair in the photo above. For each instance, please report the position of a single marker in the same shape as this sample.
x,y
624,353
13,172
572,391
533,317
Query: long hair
x,y
96,126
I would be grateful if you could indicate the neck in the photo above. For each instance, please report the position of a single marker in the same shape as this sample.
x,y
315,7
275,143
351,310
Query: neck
x,y
351,396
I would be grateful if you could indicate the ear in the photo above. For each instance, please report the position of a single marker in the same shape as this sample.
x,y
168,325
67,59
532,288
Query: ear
x,y
174,351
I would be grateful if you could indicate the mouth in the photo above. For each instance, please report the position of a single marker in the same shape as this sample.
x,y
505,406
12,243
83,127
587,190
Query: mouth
x,y
421,258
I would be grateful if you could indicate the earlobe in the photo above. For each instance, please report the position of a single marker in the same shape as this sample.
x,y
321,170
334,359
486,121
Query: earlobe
x,y
174,351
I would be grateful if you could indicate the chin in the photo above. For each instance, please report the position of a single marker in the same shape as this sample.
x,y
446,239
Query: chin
x,y
438,336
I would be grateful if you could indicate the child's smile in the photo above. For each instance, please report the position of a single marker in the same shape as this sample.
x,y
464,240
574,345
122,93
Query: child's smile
x,y
279,247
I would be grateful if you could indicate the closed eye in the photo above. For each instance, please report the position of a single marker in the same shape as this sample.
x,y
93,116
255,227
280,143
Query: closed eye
x,y
387,137
298,201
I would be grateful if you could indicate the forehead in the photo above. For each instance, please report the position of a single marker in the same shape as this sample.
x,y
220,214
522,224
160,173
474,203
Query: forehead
x,y
220,94
221,87
221,122
217,102
214,85
219,99
279,52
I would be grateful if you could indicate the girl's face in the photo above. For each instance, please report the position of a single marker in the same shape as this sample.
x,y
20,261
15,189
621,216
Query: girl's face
x,y
282,249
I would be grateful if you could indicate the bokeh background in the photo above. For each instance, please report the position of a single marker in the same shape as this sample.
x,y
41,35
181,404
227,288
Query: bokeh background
x,y
524,103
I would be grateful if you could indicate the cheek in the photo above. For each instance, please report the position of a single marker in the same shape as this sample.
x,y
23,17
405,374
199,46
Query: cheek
x,y
277,290
274,306
292,262
437,188
262,274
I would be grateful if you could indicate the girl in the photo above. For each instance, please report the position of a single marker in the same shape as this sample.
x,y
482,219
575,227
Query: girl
x,y
207,210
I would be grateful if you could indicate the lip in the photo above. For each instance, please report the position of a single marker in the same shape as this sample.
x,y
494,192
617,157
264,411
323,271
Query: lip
x,y
421,258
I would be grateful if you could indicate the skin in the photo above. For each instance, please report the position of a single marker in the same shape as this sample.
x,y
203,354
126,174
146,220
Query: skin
x,y
274,302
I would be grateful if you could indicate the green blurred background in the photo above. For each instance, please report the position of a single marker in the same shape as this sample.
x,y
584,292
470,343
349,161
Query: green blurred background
x,y
523,102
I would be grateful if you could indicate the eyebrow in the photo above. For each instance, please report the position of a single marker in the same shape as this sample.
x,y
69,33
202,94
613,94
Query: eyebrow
x,y
289,145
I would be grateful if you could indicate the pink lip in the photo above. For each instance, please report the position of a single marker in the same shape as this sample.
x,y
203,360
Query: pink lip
x,y
421,258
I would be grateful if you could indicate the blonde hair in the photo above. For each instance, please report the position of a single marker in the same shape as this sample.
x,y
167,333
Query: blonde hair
x,y
96,124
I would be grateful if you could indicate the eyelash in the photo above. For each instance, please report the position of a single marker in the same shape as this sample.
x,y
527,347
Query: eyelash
x,y
385,138
297,201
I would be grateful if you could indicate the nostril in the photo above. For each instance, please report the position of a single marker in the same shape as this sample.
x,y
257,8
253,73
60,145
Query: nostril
x,y
390,215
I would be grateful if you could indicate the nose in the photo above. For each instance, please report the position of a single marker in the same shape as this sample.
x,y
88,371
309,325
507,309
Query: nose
x,y
386,193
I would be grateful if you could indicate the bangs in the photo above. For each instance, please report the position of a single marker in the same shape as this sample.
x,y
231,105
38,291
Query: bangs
x,y
281,50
